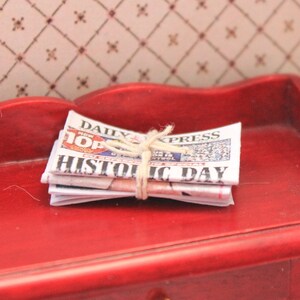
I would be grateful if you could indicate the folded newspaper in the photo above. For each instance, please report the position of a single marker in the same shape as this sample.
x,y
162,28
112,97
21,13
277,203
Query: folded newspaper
x,y
82,167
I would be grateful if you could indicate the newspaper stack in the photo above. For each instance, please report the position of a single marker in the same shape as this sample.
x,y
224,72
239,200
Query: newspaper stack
x,y
81,169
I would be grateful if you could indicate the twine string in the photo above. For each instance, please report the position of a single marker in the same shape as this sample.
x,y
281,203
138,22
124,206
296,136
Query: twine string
x,y
144,150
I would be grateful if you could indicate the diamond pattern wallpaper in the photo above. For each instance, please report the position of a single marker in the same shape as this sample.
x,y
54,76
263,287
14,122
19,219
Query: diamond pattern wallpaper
x,y
66,48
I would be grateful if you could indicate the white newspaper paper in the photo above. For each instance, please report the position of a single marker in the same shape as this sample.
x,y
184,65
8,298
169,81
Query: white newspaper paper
x,y
79,159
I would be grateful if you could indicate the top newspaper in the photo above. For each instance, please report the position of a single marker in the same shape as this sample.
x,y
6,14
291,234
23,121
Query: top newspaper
x,y
214,157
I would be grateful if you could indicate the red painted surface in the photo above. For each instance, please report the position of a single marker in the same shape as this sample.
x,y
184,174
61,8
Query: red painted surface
x,y
263,282
104,248
295,279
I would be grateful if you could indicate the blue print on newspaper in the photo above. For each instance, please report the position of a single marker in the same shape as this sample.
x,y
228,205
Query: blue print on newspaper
x,y
214,151
90,145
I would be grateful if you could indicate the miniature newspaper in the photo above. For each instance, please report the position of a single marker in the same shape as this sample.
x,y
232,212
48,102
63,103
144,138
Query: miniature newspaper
x,y
81,168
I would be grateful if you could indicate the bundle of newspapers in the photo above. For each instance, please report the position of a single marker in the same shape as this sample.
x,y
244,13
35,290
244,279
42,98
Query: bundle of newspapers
x,y
81,168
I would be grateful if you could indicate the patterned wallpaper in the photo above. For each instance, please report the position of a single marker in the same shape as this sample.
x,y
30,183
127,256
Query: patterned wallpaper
x,y
66,48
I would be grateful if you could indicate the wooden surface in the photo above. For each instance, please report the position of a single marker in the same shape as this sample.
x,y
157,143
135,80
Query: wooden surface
x,y
134,248
263,282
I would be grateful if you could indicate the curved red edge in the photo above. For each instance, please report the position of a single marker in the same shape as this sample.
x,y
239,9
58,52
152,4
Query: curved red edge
x,y
114,272
32,123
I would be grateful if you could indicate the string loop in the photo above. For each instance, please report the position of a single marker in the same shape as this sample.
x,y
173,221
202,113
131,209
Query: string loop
x,y
144,149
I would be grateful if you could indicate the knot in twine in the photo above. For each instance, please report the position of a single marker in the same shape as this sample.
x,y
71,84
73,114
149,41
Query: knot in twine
x,y
144,149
